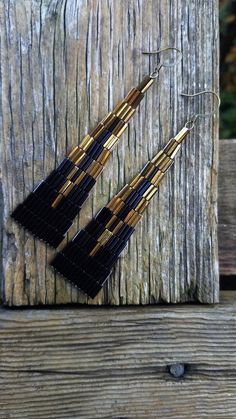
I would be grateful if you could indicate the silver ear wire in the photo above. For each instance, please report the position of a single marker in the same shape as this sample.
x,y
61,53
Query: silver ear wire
x,y
161,64
190,124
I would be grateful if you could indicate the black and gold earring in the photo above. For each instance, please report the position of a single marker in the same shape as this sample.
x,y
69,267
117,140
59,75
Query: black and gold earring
x,y
49,211
88,259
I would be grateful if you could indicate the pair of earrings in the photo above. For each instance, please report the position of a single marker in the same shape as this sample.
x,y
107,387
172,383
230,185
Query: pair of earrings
x,y
49,211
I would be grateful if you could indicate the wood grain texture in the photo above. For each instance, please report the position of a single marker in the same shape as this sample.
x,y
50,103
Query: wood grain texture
x,y
114,363
64,65
227,207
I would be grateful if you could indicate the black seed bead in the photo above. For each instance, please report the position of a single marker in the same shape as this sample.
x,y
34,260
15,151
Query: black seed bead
x,y
104,215
76,175
112,242
87,182
125,232
77,196
133,199
76,275
94,228
143,186
120,247
104,277
65,166
45,192
85,163
94,150
50,215
78,257
60,223
55,180
103,137
39,227
85,241
124,211
18,212
152,174
105,257
113,124
68,208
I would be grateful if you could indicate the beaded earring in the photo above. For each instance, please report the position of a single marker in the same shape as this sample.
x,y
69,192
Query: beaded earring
x,y
88,259
48,212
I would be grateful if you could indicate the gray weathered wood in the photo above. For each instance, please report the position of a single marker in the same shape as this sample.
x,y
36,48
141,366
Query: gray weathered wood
x,y
114,363
64,65
227,207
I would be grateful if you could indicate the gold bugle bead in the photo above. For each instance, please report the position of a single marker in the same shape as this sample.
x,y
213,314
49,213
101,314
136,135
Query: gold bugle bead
x,y
80,177
86,142
117,227
132,218
120,107
134,97
79,159
94,169
95,249
68,190
120,128
171,148
110,222
158,158
136,180
104,156
98,130
77,155
162,161
72,173
181,135
142,205
65,186
124,111
157,178
125,192
108,119
74,153
165,164
56,201
150,194
105,236
145,84
115,204
148,169
149,190
112,140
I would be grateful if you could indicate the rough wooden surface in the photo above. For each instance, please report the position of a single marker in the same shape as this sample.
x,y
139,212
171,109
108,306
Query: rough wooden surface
x,y
227,207
115,363
64,65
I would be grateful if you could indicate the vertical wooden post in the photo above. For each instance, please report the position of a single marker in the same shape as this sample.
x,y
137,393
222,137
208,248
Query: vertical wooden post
x,y
63,66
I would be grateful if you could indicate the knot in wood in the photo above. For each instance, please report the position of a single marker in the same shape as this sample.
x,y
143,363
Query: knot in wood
x,y
176,370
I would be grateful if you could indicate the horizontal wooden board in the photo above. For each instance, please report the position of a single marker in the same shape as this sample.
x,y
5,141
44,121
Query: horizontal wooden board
x,y
64,65
119,362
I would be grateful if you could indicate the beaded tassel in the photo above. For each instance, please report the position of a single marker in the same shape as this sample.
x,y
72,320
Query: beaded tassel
x,y
88,259
49,211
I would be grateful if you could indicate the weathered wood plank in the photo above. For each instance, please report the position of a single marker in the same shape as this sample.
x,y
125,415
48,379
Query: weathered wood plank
x,y
227,207
64,65
114,363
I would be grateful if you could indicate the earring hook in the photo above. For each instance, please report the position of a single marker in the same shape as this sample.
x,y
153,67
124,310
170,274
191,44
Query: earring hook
x,y
190,124
156,70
